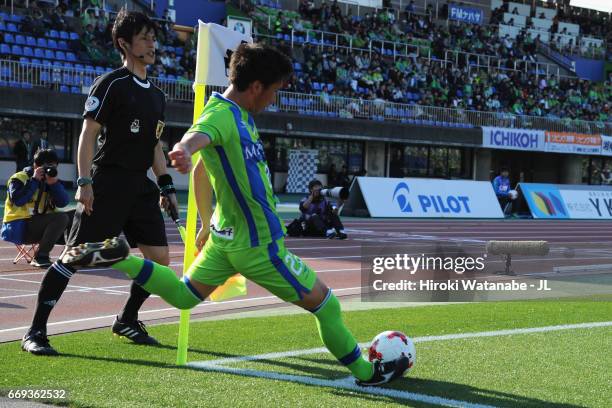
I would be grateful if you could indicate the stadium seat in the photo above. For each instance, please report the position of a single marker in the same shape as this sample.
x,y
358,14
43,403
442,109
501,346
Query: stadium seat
x,y
73,36
89,68
28,52
179,51
36,61
39,53
14,84
46,63
70,56
2,25
62,45
40,42
60,55
44,76
30,41
53,34
99,70
27,85
5,49
15,18
52,44
3,83
20,39
171,77
5,72
68,65
49,54
64,88
79,67
58,64
64,35
16,50
11,27
9,38
75,90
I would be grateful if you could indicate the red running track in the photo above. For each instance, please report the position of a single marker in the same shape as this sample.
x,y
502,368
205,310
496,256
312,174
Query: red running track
x,y
95,296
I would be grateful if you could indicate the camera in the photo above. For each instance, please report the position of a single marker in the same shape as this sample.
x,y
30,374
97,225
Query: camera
x,y
336,192
50,171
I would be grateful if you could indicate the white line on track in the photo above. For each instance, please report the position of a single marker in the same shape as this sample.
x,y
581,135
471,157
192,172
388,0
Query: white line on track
x,y
141,312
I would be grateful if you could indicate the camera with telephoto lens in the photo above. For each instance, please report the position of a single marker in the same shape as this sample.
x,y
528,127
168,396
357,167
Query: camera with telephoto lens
x,y
336,192
50,171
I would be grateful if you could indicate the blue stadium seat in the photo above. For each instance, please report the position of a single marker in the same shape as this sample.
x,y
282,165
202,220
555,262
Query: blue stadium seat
x,y
46,63
27,51
24,60
73,36
75,90
80,67
39,53
5,72
58,64
15,18
9,38
52,44
108,69
60,55
67,79
89,68
44,76
99,70
36,61
70,56
14,84
5,49
41,42
53,34
330,87
180,51
2,25
12,28
287,37
30,41
171,77
26,85
68,65
62,45
316,86
49,54
16,50
20,39
64,88
64,35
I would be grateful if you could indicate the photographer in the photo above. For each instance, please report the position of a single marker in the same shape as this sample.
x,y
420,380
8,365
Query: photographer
x,y
319,216
505,195
31,210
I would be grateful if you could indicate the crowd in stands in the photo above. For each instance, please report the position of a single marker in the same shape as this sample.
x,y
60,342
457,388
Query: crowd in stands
x,y
422,78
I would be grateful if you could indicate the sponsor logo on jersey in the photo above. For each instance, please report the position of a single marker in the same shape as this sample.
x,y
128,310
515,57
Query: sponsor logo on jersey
x,y
226,233
159,129
92,103
135,126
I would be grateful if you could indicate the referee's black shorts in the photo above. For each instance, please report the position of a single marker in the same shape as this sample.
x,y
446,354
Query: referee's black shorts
x,y
123,202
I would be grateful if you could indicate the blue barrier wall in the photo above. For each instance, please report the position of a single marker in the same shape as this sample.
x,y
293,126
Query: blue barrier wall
x,y
188,12
589,68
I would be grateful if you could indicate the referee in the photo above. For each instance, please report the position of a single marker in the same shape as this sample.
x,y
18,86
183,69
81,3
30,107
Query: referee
x,y
114,193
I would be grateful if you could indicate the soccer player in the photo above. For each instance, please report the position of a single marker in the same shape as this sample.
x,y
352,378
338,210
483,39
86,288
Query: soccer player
x,y
114,192
247,233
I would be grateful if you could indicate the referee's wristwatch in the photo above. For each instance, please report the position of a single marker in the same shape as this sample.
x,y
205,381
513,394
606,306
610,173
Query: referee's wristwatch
x,y
83,181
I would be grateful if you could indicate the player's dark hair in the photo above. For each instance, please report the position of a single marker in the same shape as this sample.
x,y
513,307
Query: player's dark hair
x,y
504,169
257,62
44,156
313,183
128,24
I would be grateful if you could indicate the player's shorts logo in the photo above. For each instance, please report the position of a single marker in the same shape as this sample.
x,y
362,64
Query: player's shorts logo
x,y
159,129
226,233
135,126
92,103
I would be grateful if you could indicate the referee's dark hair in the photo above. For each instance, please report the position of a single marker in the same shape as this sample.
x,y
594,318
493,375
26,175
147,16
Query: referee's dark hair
x,y
45,156
128,24
257,62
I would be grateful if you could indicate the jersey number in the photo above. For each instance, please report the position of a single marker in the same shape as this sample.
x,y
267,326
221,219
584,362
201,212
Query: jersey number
x,y
295,264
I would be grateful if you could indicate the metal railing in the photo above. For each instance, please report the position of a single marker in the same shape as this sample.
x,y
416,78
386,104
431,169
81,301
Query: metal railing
x,y
16,74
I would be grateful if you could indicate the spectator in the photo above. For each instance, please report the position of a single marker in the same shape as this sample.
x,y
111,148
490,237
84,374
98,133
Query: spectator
x,y
24,151
31,210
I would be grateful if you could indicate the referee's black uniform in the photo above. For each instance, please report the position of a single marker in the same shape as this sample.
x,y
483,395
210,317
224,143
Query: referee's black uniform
x,y
131,112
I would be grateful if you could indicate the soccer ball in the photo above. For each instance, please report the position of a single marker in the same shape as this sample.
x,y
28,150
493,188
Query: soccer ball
x,y
391,345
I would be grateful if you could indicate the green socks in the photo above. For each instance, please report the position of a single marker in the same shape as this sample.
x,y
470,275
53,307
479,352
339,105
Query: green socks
x,y
160,280
339,340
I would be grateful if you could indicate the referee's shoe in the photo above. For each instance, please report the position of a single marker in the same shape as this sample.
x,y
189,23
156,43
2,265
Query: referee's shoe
x,y
104,253
36,342
134,331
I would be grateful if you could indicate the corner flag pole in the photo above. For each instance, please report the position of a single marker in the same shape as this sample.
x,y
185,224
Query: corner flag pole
x,y
199,89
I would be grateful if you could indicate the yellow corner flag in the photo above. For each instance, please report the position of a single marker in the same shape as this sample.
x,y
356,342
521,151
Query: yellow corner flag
x,y
215,44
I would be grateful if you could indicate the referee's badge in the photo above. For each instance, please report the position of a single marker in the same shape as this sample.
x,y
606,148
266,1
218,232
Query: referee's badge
x,y
160,129
91,103
135,126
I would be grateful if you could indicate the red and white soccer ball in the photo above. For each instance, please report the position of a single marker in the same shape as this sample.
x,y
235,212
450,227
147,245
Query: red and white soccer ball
x,y
391,345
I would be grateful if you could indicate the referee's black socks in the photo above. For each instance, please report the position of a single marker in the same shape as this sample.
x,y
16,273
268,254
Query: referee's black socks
x,y
137,297
51,288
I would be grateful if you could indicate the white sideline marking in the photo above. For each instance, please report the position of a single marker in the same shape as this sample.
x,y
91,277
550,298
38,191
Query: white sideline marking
x,y
425,339
348,382
579,268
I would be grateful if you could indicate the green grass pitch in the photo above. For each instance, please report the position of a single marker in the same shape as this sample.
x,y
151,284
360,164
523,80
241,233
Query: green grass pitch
x,y
565,368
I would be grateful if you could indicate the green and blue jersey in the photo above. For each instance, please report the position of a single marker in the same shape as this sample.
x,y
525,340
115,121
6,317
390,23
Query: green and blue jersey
x,y
245,215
